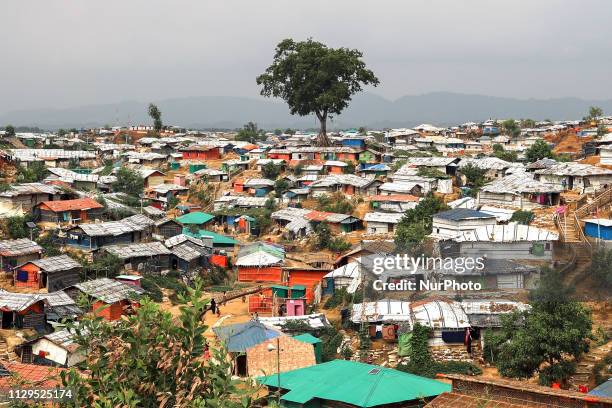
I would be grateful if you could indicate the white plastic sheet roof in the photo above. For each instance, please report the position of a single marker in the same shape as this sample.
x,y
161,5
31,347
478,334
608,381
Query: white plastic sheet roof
x,y
512,232
381,311
350,270
437,315
315,321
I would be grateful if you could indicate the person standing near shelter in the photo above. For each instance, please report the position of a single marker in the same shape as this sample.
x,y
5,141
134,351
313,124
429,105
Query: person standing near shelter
x,y
468,340
213,306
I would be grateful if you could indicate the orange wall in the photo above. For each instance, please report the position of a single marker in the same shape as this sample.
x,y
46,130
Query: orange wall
x,y
308,278
32,271
255,274
112,312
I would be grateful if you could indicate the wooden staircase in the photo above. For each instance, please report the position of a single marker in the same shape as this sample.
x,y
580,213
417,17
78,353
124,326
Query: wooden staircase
x,y
584,367
569,223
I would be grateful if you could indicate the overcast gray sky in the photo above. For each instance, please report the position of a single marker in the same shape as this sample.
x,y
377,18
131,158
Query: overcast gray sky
x,y
63,53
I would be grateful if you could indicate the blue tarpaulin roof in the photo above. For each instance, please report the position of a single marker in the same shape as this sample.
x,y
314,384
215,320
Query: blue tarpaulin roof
x,y
603,390
242,336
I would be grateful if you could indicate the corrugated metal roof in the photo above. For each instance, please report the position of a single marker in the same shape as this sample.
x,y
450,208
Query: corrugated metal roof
x,y
142,249
108,290
17,247
574,169
56,263
520,183
136,222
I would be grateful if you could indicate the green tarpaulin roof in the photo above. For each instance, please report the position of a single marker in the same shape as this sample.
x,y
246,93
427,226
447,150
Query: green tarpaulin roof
x,y
307,338
359,384
195,218
217,238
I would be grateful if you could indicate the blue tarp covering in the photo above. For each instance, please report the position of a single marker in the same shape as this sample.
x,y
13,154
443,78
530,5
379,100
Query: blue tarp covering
x,y
603,390
242,336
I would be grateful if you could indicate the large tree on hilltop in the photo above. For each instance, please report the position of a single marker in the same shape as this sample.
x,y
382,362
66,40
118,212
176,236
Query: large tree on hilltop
x,y
314,78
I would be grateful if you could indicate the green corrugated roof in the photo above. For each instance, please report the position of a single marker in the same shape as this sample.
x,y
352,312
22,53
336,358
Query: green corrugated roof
x,y
359,384
307,338
197,218
217,238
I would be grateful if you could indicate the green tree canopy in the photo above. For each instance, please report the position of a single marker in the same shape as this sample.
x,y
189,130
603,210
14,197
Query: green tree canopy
x,y
151,359
511,127
594,113
500,153
129,182
417,223
10,131
155,114
601,268
546,339
475,176
528,123
539,150
315,79
250,133
271,171
36,171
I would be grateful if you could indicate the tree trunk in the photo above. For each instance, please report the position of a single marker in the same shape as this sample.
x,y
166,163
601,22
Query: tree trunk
x,y
322,139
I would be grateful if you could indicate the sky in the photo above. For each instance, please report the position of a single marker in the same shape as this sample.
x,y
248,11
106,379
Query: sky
x,y
65,53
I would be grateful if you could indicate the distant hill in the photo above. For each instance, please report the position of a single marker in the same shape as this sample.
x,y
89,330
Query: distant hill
x,y
367,109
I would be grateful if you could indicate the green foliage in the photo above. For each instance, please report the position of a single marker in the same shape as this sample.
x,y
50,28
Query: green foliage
x,y
539,150
422,363
250,133
16,227
325,240
398,164
350,167
416,223
155,114
106,265
602,130
129,182
172,280
47,244
475,176
278,132
339,298
594,113
602,370
298,169
601,267
173,201
313,78
271,171
152,359
528,123
432,173
522,217
365,343
331,339
36,171
546,339
280,187
335,203
511,128
10,131
500,153
296,326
